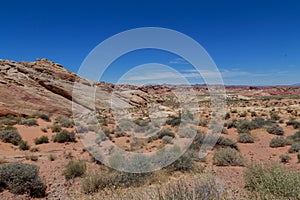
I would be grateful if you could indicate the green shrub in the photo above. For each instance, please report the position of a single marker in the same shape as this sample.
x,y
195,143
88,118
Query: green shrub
x,y
93,182
64,136
65,122
227,116
10,136
34,149
29,122
276,130
284,158
56,128
184,163
274,116
167,140
226,142
23,145
278,142
294,148
75,169
52,157
228,156
272,181
174,121
44,117
294,123
44,130
298,156
245,138
81,129
295,137
165,132
21,178
41,140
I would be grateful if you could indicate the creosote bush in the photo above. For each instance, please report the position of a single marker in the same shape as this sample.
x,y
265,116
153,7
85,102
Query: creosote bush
x,y
20,178
10,136
75,169
228,156
272,181
29,122
294,148
226,142
64,136
65,122
41,140
284,158
44,117
278,142
276,130
245,138
23,145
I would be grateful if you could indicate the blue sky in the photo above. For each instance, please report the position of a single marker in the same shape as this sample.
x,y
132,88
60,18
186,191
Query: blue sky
x,y
252,42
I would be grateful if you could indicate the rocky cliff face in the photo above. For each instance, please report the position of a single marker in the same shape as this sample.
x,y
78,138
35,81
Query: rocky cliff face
x,y
28,88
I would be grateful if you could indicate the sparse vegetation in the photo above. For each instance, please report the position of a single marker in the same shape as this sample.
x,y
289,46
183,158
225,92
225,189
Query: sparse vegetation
x,y
228,156
75,169
64,136
21,178
276,130
278,142
29,122
272,181
10,136
284,158
23,145
44,117
65,122
52,157
41,140
294,148
245,138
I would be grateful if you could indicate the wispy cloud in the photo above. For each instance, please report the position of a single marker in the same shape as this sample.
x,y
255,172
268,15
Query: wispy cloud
x,y
179,61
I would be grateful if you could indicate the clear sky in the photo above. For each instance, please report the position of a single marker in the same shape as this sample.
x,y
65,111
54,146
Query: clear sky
x,y
253,42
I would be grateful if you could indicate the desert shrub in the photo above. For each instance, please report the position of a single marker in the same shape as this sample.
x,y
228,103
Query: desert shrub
x,y
44,117
281,121
167,140
284,158
75,169
91,121
184,163
9,120
295,137
187,133
55,128
126,124
23,145
81,129
65,122
227,116
294,123
234,111
120,133
41,140
294,148
20,178
33,157
93,182
34,149
52,157
274,116
224,131
278,142
245,138
165,132
226,157
244,114
232,124
253,114
10,136
276,130
272,181
226,142
64,136
44,130
29,122
298,156
174,121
